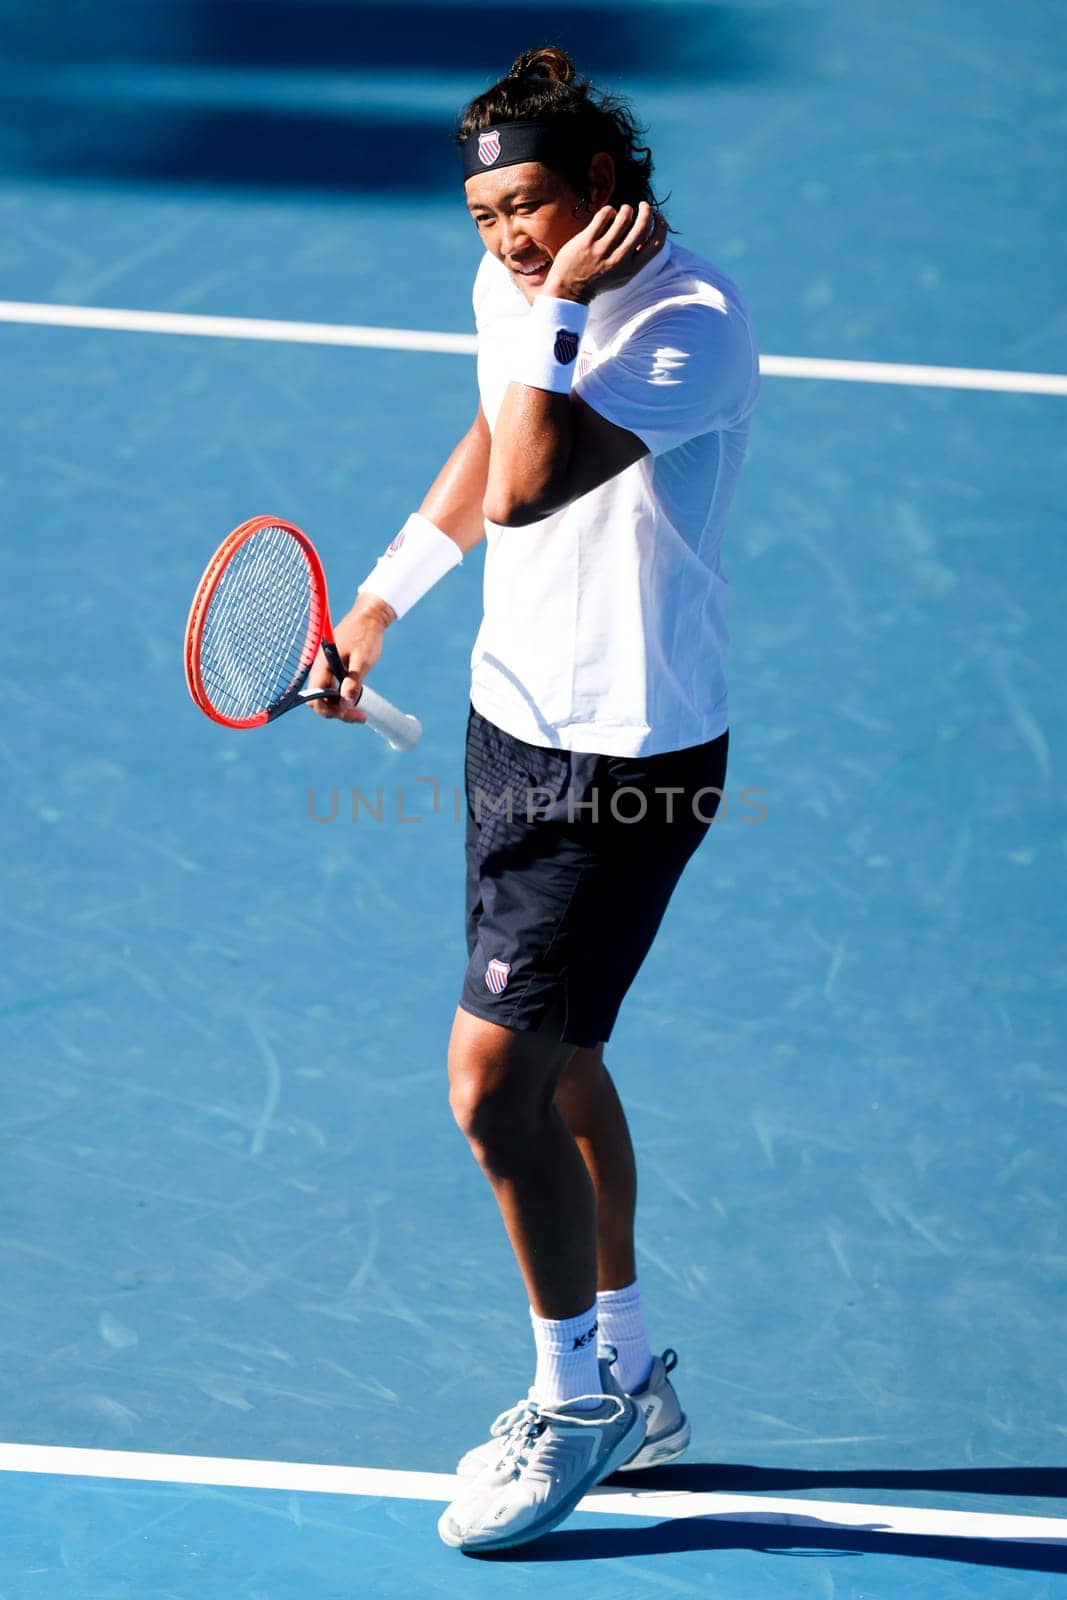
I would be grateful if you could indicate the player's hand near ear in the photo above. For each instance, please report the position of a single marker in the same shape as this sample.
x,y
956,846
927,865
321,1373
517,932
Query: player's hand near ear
x,y
609,251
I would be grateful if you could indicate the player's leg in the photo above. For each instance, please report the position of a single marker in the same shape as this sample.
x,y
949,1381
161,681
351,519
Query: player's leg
x,y
577,1426
588,1101
560,915
502,1084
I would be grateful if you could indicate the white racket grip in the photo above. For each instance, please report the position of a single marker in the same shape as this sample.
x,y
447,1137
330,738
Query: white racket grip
x,y
403,732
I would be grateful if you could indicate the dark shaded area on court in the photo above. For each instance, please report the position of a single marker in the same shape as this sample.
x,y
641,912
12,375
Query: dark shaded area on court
x,y
75,104
284,148
726,1478
725,41
803,1537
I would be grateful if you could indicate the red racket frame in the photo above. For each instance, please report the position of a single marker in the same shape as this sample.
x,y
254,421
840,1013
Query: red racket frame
x,y
323,637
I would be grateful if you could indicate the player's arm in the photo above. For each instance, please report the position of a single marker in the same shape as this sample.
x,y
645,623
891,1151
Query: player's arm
x,y
451,510
547,450
454,499
550,447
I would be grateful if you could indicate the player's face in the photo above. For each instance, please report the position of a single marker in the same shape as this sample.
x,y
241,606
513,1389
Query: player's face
x,y
525,214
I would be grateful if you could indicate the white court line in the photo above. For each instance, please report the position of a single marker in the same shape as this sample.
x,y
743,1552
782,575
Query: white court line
x,y
441,1486
428,342
460,344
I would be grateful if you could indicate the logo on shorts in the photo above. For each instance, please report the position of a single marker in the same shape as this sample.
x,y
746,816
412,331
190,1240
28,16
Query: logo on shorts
x,y
496,976
488,147
566,347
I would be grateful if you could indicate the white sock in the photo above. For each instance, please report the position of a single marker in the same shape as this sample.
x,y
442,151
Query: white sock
x,y
566,1359
623,1325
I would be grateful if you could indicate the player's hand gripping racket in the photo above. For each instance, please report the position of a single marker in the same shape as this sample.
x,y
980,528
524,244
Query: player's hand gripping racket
x,y
258,619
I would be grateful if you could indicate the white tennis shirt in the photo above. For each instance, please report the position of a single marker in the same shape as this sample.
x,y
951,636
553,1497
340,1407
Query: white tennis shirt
x,y
605,623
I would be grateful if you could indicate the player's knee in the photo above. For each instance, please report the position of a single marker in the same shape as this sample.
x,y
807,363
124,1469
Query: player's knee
x,y
582,1083
483,1102
584,1069
501,1084
493,1108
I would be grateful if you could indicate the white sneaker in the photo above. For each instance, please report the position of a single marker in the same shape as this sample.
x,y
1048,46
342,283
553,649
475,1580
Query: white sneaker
x,y
667,1430
547,1460
667,1426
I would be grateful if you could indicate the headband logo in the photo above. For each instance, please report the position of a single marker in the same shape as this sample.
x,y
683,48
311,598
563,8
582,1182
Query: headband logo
x,y
566,347
488,147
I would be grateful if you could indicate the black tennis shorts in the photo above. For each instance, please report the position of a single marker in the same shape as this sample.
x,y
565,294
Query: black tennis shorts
x,y
571,861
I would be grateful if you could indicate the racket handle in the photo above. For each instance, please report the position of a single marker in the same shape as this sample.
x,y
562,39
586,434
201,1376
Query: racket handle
x,y
402,731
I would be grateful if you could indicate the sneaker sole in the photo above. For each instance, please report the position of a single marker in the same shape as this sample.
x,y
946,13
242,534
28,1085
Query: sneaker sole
x,y
622,1451
657,1452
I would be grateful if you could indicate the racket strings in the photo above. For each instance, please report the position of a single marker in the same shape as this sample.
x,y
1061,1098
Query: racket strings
x,y
262,626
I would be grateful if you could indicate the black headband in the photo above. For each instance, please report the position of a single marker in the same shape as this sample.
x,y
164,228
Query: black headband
x,y
506,144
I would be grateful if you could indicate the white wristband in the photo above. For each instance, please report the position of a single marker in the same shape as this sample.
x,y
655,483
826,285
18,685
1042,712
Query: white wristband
x,y
418,556
548,355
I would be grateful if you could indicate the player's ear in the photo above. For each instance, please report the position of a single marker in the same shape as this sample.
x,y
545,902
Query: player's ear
x,y
600,185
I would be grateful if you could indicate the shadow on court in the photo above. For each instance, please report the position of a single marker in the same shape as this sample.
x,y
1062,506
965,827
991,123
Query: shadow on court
x,y
804,1536
724,41
322,95
227,146
808,1534
725,1478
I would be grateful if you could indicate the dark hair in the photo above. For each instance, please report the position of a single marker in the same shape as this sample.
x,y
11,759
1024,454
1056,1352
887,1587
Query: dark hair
x,y
542,86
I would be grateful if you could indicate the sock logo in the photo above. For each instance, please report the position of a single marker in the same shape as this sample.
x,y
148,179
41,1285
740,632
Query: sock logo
x,y
585,1338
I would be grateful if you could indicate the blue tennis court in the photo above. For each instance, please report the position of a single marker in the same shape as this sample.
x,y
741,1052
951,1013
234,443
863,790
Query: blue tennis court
x,y
237,1222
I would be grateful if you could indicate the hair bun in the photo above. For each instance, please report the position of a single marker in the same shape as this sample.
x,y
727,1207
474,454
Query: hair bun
x,y
548,62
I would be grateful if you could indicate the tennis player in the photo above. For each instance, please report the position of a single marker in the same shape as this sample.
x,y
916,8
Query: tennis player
x,y
617,373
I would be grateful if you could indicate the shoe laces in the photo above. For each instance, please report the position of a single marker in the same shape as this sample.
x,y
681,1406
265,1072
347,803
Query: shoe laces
x,y
520,1427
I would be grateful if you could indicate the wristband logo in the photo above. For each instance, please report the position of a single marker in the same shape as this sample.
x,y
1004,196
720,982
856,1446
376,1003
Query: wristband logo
x,y
488,147
395,545
566,347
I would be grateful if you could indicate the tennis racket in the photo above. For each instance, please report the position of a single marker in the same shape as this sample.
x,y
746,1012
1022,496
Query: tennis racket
x,y
258,619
